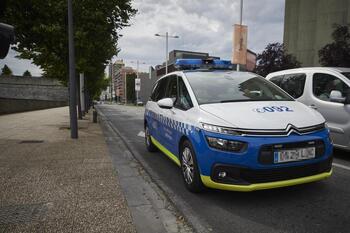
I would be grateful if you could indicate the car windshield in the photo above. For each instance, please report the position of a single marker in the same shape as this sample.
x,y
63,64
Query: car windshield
x,y
346,74
221,87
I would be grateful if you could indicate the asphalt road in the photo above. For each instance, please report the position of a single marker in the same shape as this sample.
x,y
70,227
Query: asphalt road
x,y
316,207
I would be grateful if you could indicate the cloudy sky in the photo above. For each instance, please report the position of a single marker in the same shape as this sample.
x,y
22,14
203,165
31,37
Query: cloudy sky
x,y
202,25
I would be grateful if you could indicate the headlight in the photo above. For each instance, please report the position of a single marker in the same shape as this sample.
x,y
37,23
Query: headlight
x,y
226,145
219,129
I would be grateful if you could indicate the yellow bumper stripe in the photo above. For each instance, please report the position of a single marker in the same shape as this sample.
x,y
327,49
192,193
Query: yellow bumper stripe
x,y
173,157
207,181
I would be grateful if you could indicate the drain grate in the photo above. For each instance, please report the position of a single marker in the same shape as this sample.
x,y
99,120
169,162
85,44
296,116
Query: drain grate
x,y
22,213
31,141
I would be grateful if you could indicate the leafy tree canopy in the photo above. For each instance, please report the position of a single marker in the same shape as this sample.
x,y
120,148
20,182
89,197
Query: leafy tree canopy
x,y
41,33
27,74
337,53
275,58
6,70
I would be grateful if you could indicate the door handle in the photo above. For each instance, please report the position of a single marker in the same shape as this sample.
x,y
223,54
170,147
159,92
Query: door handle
x,y
313,106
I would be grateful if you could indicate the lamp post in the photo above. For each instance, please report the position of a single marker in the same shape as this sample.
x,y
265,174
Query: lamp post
x,y
137,76
72,81
240,22
166,47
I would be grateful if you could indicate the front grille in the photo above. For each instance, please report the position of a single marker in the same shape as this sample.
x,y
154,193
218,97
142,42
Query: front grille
x,y
246,176
281,132
266,155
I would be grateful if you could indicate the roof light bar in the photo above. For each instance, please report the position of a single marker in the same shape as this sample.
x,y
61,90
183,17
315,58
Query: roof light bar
x,y
193,64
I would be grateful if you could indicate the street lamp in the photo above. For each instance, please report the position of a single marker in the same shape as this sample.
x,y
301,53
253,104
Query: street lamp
x,y
72,81
137,76
166,48
240,22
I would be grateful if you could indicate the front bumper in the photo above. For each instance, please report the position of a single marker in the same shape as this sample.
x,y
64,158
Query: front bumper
x,y
247,171
208,182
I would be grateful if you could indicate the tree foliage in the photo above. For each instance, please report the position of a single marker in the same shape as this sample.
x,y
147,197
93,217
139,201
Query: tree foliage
x,y
27,74
41,33
275,58
6,71
337,53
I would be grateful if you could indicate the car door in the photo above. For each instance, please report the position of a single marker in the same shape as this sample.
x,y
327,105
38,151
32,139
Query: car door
x,y
336,114
178,116
168,130
154,112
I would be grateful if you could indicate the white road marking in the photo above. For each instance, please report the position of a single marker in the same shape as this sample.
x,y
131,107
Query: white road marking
x,y
341,166
141,134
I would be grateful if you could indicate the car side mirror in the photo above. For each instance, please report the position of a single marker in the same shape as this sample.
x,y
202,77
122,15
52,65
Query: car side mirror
x,y
165,103
336,96
7,37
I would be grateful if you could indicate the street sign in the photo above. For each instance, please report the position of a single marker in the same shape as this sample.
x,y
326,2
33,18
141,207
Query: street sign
x,y
239,55
137,84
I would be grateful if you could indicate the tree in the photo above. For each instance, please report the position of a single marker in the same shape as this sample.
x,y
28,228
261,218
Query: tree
x,y
27,74
130,87
41,33
6,71
337,53
275,58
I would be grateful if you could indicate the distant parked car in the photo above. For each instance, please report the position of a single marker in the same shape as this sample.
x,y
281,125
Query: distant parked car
x,y
325,89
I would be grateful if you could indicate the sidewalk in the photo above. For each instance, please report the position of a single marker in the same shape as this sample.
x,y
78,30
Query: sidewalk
x,y
51,183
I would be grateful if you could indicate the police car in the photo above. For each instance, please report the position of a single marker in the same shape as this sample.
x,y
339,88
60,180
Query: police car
x,y
234,130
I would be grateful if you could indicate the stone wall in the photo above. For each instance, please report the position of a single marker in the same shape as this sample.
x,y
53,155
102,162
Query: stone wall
x,y
19,93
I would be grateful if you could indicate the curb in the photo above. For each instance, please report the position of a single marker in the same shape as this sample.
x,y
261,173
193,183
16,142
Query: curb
x,y
196,224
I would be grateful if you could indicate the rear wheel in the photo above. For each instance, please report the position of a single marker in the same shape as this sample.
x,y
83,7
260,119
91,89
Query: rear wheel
x,y
148,141
189,168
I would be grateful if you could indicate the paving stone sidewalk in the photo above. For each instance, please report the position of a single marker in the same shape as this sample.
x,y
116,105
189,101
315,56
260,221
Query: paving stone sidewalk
x,y
51,183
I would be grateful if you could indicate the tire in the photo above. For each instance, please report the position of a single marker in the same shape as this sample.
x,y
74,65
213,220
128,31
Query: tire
x,y
189,168
148,142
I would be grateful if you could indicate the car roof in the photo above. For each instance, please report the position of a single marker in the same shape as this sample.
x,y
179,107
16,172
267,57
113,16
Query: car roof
x,y
305,69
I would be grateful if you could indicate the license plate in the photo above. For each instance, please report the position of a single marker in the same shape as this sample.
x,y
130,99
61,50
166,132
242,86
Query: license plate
x,y
283,156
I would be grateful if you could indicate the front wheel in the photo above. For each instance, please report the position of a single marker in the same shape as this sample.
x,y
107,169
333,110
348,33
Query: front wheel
x,y
189,168
148,141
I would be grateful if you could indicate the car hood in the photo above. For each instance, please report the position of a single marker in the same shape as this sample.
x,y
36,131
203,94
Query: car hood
x,y
264,115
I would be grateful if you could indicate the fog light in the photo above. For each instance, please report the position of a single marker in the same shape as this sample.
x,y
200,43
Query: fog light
x,y
222,174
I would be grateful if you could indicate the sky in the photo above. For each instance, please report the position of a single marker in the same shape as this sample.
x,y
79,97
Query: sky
x,y
202,25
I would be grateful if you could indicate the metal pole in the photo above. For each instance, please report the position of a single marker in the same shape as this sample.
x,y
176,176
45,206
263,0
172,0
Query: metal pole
x,y
126,97
241,13
240,22
72,81
111,76
137,75
82,96
166,53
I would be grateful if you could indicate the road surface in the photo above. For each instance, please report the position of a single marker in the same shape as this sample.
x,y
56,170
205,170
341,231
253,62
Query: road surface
x,y
317,207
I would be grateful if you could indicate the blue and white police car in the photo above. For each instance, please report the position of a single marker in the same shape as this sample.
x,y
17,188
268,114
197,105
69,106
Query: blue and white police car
x,y
234,130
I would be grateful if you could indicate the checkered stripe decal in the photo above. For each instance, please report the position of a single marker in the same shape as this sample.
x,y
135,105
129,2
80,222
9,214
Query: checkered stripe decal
x,y
171,123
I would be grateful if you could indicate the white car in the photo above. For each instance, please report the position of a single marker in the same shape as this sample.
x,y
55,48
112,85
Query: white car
x,y
326,90
234,130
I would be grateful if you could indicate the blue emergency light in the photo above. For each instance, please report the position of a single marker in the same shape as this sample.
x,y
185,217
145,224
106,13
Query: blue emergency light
x,y
193,64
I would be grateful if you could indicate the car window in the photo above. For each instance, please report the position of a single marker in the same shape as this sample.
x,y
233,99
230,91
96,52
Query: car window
x,y
159,90
184,101
277,80
346,74
323,84
155,91
171,90
294,84
221,87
